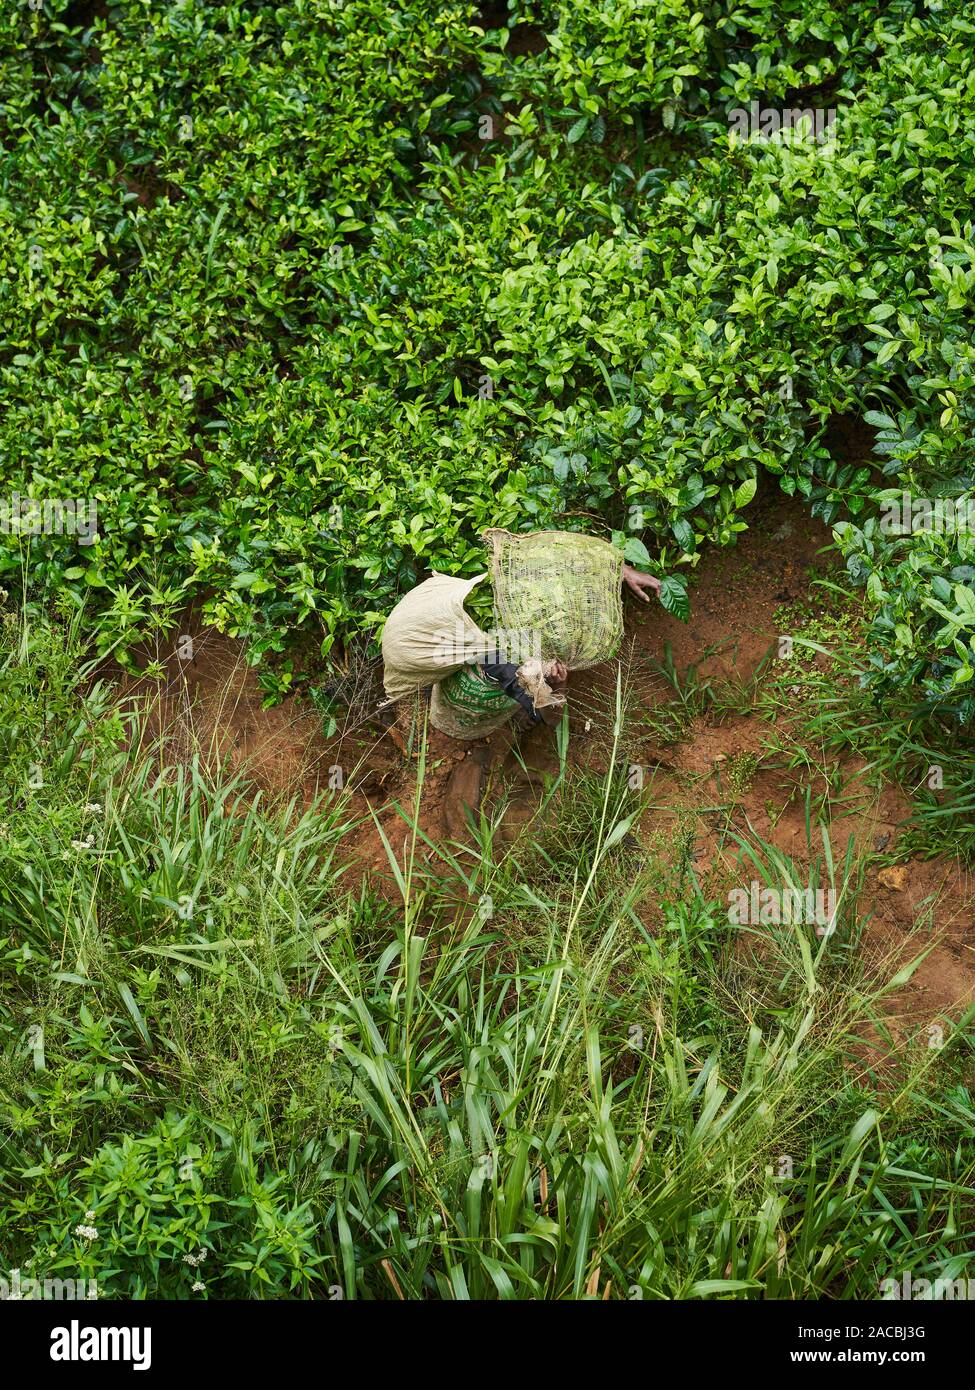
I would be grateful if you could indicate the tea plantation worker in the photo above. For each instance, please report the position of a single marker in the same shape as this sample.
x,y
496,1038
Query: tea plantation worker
x,y
564,591
516,682
431,642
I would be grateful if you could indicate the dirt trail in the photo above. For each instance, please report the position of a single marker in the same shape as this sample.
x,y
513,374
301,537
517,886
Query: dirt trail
x,y
212,701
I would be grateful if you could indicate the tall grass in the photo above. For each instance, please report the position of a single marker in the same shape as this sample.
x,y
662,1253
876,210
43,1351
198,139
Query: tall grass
x,y
483,1075
820,702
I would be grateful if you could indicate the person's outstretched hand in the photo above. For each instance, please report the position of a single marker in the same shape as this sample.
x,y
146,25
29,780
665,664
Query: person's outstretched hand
x,y
638,583
558,677
556,680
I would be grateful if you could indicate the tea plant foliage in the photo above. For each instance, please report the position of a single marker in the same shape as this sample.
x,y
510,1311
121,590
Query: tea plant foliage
x,y
305,296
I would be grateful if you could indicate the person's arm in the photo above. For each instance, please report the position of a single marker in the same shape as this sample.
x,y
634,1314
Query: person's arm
x,y
505,674
638,583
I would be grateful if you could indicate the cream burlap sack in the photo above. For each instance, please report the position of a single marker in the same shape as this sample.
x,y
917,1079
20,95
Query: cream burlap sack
x,y
429,635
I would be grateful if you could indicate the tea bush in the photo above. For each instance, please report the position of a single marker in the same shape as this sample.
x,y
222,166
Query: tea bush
x,y
306,296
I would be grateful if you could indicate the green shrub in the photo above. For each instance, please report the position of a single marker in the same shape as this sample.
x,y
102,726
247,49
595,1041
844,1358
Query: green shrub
x,y
305,297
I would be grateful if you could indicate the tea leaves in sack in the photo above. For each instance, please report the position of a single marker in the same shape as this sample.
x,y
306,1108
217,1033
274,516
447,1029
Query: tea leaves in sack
x,y
562,587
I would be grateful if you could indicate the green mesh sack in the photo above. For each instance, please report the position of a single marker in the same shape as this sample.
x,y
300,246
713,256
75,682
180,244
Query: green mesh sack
x,y
563,588
467,705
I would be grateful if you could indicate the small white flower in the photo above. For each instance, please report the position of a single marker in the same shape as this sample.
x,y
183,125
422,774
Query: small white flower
x,y
201,1255
82,845
93,808
198,1287
86,1232
191,1260
89,1216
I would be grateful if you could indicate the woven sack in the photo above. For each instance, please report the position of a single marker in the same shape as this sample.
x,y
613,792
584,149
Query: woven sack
x,y
429,635
562,586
